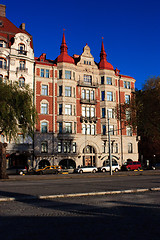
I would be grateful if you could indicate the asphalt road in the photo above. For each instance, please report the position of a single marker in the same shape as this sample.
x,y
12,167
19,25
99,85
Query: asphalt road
x,y
27,186
122,216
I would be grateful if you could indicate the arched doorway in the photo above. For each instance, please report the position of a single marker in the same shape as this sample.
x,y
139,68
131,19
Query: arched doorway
x,y
43,163
89,156
67,163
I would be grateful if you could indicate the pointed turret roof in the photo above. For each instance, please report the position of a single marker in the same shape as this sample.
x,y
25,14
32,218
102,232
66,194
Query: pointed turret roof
x,y
103,64
64,57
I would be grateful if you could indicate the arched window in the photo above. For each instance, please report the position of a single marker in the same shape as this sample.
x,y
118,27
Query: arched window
x,y
44,108
44,127
44,147
21,82
130,148
3,63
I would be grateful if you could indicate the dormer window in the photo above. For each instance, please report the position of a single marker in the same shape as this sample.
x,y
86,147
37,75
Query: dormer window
x,y
3,43
21,49
87,62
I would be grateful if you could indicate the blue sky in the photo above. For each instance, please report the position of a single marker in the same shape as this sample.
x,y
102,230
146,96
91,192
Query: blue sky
x,y
131,30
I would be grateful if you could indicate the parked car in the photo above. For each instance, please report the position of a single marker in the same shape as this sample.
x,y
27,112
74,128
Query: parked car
x,y
69,169
16,170
87,169
131,166
49,170
115,167
157,166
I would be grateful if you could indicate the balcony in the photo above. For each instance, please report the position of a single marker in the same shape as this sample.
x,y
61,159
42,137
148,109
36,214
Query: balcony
x,y
87,84
22,69
88,101
88,119
22,52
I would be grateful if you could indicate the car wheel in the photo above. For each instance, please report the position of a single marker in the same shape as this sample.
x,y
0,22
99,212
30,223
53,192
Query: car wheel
x,y
116,169
103,170
81,171
41,173
94,171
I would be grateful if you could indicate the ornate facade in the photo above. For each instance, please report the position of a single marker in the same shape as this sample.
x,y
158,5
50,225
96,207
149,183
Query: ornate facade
x,y
75,99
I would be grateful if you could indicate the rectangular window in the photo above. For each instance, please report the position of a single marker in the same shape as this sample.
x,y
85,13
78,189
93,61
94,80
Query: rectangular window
x,y
109,80
104,129
74,92
102,95
66,147
42,72
60,90
93,129
87,79
127,85
83,111
60,109
59,147
128,115
67,91
88,129
68,127
92,95
44,108
103,112
87,94
129,131
87,112
74,110
83,94
44,127
60,127
67,74
45,90
74,75
109,96
102,80
47,73
110,113
104,146
83,129
68,109
74,147
111,129
127,99
92,112
60,74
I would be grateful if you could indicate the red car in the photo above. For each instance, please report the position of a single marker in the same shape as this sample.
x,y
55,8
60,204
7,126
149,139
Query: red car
x,y
131,166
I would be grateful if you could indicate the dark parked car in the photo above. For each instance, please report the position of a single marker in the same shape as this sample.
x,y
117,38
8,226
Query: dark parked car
x,y
131,166
16,170
157,166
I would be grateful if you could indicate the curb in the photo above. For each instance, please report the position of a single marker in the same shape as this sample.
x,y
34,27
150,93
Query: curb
x,y
12,199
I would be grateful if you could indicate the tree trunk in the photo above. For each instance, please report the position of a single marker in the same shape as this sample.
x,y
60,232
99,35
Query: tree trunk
x,y
3,174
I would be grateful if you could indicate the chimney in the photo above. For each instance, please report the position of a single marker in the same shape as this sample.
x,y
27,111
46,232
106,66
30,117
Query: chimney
x,y
22,26
2,10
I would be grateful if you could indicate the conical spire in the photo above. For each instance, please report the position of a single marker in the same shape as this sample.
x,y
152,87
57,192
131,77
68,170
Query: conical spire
x,y
103,64
64,57
63,45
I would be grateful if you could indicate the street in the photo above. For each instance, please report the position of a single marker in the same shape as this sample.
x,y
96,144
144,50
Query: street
x,y
119,216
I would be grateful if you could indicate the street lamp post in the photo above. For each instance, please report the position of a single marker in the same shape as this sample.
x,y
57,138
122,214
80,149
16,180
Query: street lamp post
x,y
109,141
